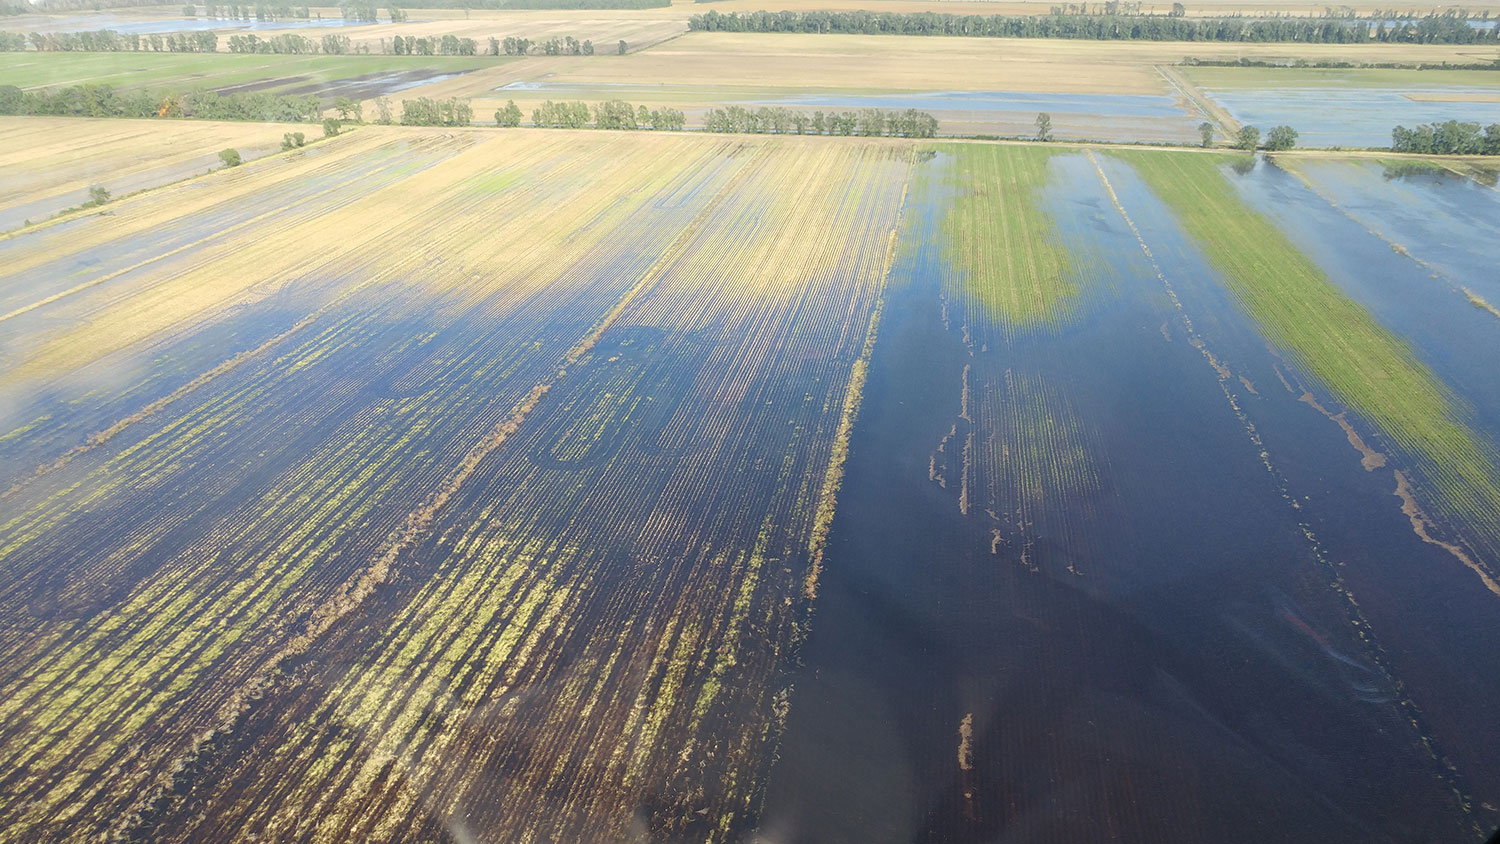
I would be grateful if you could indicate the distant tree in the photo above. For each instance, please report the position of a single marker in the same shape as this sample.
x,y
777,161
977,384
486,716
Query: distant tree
x,y
11,99
622,48
588,48
189,11
1247,139
1206,133
510,116
494,47
331,127
230,157
1044,126
397,15
348,108
1280,138
1178,10
1492,139
98,195
292,140
383,111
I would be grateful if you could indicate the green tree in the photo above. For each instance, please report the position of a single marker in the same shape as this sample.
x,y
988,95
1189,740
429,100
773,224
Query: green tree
x,y
230,157
510,116
347,108
1044,126
588,48
292,140
1206,133
331,127
622,48
1247,139
98,195
11,99
383,111
1280,138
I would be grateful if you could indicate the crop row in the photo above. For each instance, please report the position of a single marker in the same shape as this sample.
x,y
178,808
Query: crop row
x,y
604,610
185,553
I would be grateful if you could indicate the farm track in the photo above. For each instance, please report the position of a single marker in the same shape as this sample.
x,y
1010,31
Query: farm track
x,y
156,584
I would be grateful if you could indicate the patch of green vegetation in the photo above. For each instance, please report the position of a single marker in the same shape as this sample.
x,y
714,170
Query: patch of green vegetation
x,y
210,70
1340,77
1328,334
1000,237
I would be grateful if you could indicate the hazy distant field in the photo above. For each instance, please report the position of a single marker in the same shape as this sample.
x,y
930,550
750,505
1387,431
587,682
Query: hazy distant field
x,y
49,163
186,71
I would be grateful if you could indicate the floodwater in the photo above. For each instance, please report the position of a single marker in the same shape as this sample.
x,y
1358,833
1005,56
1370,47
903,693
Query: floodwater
x,y
1352,117
1161,628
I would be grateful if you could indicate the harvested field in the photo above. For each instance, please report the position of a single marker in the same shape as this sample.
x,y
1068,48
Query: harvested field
x,y
50,163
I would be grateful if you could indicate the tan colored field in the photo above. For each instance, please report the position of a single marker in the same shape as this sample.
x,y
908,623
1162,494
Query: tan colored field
x,y
50,162
1454,97
605,28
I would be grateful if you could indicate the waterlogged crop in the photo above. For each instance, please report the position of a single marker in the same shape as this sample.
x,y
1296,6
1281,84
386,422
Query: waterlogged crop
x,y
476,469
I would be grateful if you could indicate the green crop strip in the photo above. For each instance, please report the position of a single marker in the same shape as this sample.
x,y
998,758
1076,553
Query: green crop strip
x,y
1328,334
1000,237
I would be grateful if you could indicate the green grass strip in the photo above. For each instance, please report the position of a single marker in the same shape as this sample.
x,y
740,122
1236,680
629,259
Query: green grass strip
x,y
1328,334
1000,237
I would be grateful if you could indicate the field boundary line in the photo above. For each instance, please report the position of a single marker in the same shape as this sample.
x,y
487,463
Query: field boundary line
x,y
1205,104
833,476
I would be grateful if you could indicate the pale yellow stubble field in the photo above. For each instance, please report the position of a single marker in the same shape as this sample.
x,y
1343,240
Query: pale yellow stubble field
x,y
606,28
50,162
708,68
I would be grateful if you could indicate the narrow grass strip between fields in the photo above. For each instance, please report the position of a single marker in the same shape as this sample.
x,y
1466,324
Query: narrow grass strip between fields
x,y
1330,336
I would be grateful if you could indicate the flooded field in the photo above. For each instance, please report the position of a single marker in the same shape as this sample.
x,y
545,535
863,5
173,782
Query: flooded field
x,y
1109,565
543,485
1356,117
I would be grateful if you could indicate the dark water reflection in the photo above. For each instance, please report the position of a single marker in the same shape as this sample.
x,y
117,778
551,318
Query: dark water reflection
x,y
1169,653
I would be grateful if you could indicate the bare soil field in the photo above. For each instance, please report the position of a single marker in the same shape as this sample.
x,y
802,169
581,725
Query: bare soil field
x,y
50,162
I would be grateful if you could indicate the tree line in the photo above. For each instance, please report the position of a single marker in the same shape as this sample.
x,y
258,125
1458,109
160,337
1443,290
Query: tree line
x,y
92,100
291,44
611,114
1453,137
452,45
260,11
867,122
109,41
425,111
1431,30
